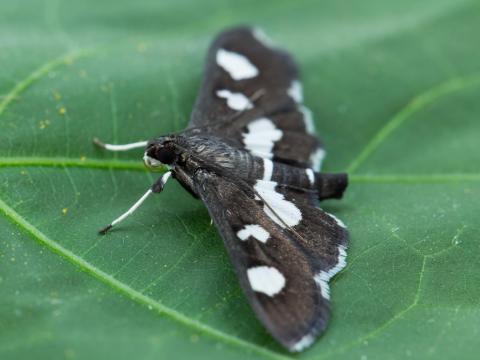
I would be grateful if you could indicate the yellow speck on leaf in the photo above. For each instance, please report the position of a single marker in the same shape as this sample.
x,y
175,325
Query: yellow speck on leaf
x,y
43,124
141,47
57,95
69,353
64,211
83,158
194,338
62,110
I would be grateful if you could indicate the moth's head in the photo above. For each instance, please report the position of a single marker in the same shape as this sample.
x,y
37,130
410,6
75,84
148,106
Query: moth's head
x,y
160,152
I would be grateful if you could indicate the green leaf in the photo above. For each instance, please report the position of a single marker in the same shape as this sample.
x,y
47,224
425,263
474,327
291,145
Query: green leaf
x,y
394,88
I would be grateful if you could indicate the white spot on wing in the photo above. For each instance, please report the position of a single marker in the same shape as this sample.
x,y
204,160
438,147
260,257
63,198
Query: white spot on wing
x,y
308,119
303,343
235,101
267,169
295,91
339,222
284,213
237,65
323,277
311,176
317,158
261,137
266,279
260,35
255,231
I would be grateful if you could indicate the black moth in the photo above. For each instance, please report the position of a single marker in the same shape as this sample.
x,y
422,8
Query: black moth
x,y
251,155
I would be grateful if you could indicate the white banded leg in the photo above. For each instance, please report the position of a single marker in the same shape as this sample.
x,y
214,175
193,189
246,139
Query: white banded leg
x,y
119,147
157,187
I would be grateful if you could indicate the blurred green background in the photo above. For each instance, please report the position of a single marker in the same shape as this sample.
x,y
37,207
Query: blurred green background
x,y
394,86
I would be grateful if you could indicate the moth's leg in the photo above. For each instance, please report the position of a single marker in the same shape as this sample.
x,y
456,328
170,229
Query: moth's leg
x,y
119,147
184,180
257,95
157,187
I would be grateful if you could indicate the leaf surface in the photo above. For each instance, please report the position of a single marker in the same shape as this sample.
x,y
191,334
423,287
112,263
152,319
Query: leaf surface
x,y
394,88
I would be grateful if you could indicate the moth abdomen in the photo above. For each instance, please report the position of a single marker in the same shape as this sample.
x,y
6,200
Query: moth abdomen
x,y
325,185
331,186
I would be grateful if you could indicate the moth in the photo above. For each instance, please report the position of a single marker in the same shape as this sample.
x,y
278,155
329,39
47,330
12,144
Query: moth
x,y
251,155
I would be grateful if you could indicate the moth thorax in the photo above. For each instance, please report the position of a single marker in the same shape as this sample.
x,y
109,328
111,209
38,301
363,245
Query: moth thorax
x,y
225,160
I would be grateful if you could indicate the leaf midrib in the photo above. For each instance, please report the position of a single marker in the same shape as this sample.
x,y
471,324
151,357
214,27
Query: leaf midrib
x,y
115,164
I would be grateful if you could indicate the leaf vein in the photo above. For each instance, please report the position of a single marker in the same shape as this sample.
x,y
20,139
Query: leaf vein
x,y
128,291
417,104
37,74
376,332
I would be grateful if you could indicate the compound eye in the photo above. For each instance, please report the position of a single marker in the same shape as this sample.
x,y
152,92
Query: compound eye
x,y
165,155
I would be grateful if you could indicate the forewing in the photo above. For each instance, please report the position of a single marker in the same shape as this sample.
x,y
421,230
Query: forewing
x,y
252,98
284,271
